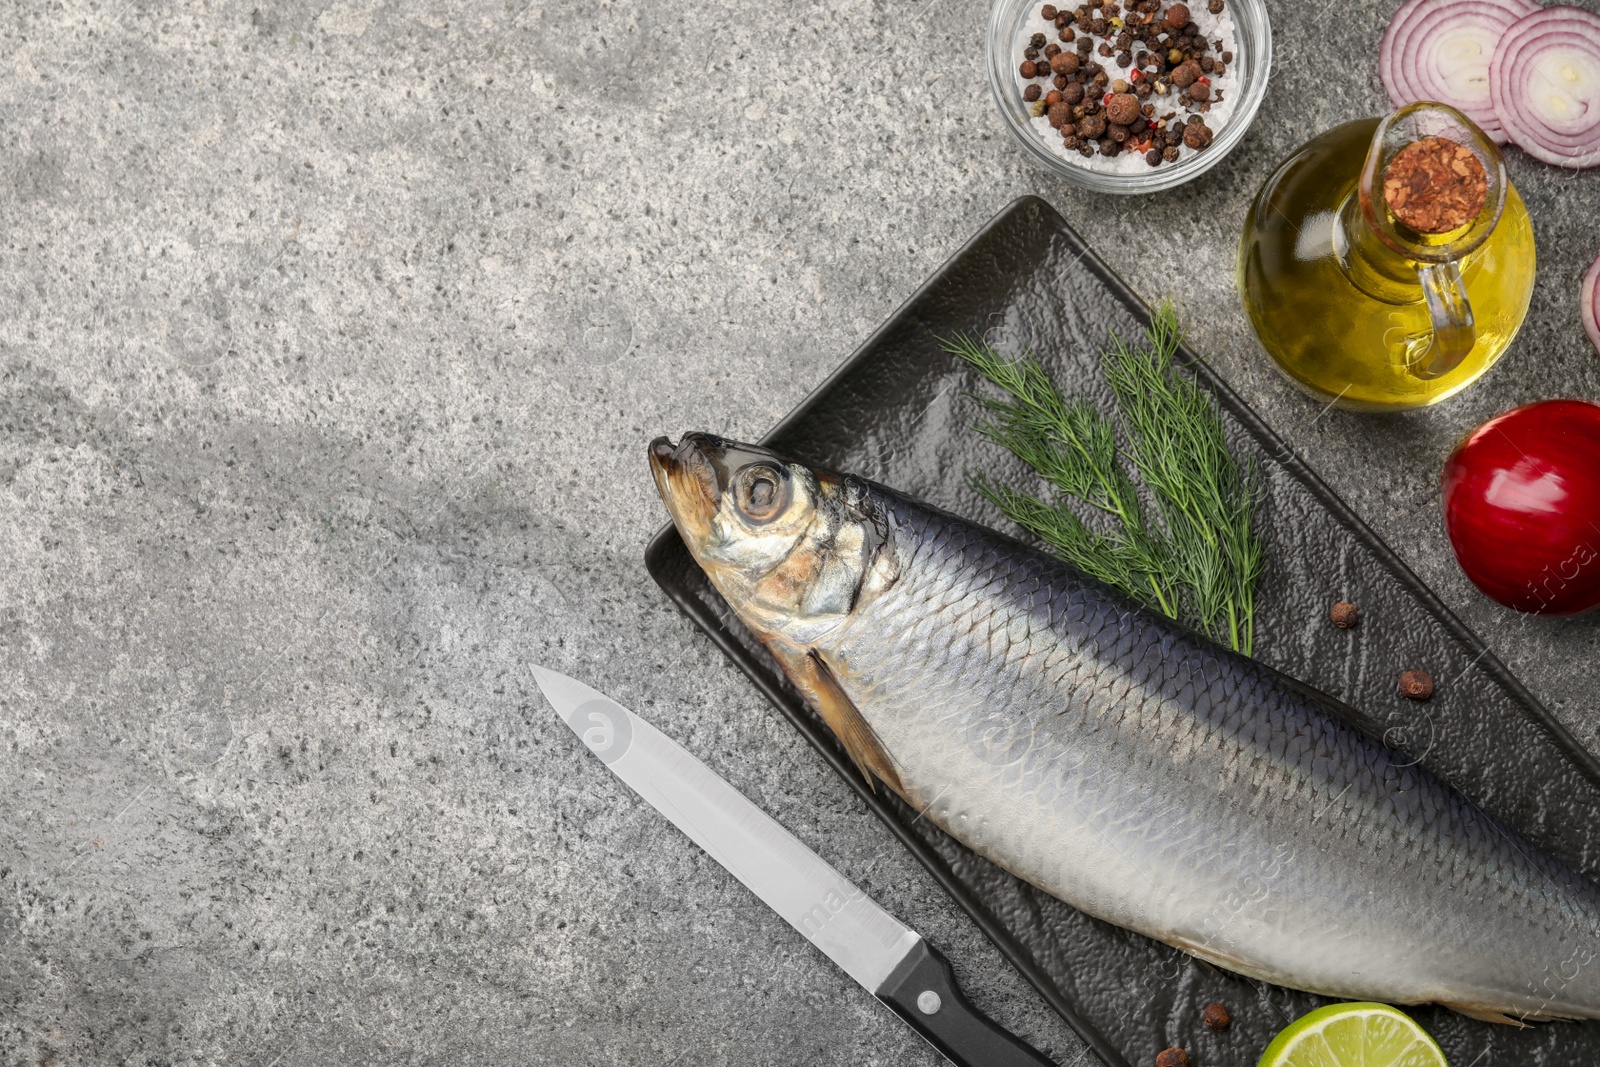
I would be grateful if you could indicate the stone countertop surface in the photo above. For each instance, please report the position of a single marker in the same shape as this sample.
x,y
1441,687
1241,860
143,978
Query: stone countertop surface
x,y
331,336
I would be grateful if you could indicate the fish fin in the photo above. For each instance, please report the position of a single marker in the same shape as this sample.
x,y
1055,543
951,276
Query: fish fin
x,y
817,684
850,727
1494,1015
1208,954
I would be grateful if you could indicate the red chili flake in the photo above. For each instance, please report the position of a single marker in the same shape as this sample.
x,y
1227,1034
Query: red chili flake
x,y
1137,75
1106,100
1203,78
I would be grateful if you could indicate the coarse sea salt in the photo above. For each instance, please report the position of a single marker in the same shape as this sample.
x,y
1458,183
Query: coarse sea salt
x,y
1212,28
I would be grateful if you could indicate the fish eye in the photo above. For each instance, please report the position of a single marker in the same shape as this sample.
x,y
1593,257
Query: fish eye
x,y
762,492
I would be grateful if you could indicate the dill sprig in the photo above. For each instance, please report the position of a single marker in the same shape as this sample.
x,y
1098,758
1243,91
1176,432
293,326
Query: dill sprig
x,y
1196,553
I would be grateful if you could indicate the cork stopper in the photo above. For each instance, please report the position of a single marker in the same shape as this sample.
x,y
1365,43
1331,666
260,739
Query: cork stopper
x,y
1435,185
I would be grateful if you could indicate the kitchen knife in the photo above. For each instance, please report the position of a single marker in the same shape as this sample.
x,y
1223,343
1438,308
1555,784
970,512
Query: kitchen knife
x,y
883,954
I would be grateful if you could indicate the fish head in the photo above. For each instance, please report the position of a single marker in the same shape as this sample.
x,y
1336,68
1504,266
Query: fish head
x,y
789,546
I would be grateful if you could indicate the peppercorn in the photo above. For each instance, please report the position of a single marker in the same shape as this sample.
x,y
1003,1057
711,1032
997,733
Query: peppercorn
x,y
1031,53
1186,74
1227,57
1124,59
1037,40
1170,154
1064,62
1124,40
1052,98
1174,56
1029,69
1214,6
1177,16
1200,91
1418,685
1197,136
1092,127
1072,93
1061,81
1047,12
1138,125
1031,93
1104,49
1059,113
1208,64
1120,86
1085,150
1153,157
1097,27
1172,1057
1071,141
1108,147
1122,108
1219,68
1065,19
1085,46
1344,615
1216,1016
1051,50
1066,34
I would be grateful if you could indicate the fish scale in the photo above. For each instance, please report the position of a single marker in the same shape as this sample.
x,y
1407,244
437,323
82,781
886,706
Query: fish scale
x,y
1204,762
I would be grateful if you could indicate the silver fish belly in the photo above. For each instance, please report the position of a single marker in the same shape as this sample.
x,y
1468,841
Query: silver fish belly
x,y
1155,780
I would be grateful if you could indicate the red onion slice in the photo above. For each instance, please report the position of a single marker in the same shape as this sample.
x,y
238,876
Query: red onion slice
x,y
1589,302
1441,50
1544,81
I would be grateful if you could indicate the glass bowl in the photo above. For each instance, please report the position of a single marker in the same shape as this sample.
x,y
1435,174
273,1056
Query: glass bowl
x,y
1252,63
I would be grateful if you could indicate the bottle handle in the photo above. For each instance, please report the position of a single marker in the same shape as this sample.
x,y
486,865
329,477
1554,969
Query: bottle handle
x,y
1454,331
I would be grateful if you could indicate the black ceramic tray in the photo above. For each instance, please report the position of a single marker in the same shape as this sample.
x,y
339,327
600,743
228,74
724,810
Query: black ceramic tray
x,y
898,411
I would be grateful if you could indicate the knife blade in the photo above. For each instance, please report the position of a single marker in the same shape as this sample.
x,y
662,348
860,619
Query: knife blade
x,y
888,958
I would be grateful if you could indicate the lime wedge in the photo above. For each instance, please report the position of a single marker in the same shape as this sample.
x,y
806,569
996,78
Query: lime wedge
x,y
1353,1035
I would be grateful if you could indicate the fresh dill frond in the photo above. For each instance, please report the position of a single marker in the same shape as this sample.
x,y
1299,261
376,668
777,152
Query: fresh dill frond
x,y
1198,556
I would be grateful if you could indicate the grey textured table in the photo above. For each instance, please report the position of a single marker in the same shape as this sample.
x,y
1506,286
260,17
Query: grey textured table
x,y
330,340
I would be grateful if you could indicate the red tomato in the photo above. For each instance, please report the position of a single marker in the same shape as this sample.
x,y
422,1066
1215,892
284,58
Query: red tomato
x,y
1522,507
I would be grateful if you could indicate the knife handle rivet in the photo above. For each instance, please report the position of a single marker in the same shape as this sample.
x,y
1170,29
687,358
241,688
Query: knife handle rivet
x,y
928,1002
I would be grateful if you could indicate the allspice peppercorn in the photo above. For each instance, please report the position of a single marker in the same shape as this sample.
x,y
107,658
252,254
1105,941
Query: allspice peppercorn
x,y
1172,1057
1344,615
1197,135
1418,685
1216,1016
1122,108
1064,63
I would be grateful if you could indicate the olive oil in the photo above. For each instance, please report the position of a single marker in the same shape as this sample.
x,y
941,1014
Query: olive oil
x,y
1341,312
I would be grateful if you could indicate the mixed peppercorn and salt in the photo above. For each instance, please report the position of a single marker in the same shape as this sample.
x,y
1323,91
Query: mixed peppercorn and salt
x,y
1127,88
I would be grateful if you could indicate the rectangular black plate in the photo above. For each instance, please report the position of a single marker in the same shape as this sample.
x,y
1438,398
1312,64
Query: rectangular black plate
x,y
899,412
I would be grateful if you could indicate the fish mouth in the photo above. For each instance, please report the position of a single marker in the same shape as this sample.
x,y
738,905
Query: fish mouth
x,y
690,480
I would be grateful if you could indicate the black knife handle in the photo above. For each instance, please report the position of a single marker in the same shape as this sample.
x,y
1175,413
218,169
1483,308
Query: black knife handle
x,y
922,990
